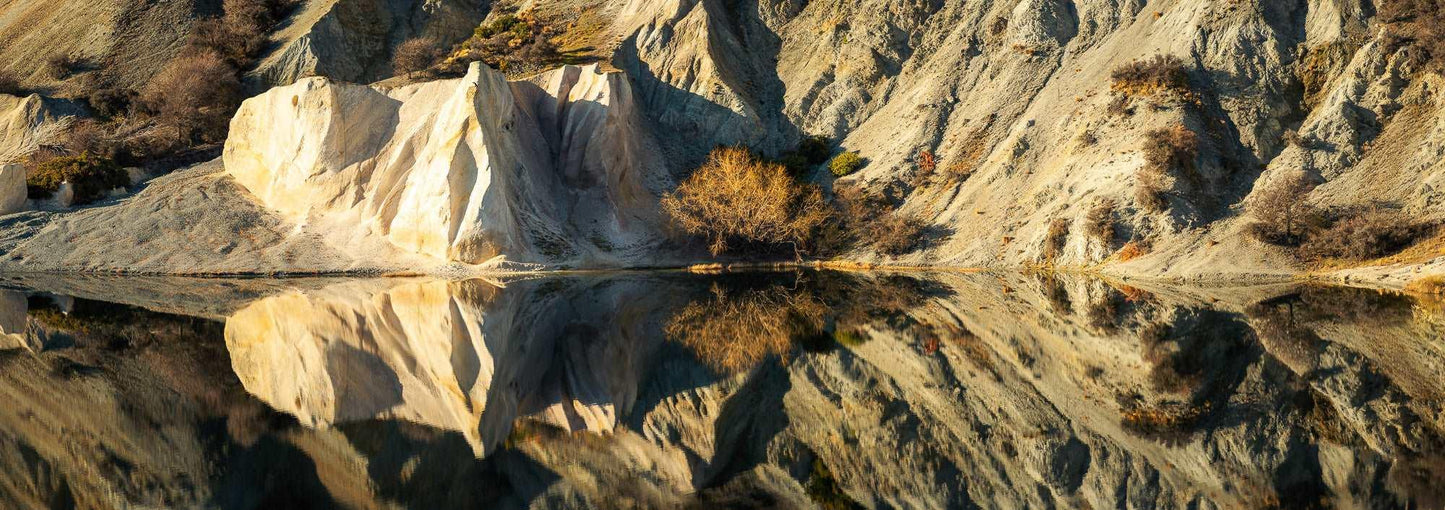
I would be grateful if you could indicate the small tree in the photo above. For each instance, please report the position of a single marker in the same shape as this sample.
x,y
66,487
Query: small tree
x,y
734,197
1279,209
415,55
195,94
845,163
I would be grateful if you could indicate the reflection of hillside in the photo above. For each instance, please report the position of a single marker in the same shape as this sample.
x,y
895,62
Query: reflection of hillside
x,y
929,392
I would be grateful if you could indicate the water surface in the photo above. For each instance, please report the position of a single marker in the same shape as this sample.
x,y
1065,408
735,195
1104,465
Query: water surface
x,y
660,390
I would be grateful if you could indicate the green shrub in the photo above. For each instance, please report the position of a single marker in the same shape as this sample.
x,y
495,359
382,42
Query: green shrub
x,y
112,102
809,153
845,163
91,177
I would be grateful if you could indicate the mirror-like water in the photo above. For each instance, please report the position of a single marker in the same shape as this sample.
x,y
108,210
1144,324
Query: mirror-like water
x,y
778,390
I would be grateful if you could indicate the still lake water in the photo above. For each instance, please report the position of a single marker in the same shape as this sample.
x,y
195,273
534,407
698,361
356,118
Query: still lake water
x,y
664,390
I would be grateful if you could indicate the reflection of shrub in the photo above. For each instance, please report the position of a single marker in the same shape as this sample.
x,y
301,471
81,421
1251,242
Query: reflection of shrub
x,y
733,332
90,176
1161,73
850,337
824,490
1103,313
735,198
845,163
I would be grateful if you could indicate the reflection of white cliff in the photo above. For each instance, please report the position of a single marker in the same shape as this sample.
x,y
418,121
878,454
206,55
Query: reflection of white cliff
x,y
463,356
558,169
13,309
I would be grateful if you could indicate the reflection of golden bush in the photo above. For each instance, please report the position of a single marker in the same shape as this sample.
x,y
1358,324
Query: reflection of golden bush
x,y
733,332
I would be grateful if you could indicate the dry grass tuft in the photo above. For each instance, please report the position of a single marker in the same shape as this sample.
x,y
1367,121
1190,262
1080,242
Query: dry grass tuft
x,y
1133,250
1428,285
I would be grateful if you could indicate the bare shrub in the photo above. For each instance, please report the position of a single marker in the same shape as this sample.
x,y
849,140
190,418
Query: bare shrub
x,y
1282,212
861,218
736,198
10,85
88,136
1364,235
1158,74
415,55
539,51
1099,224
1171,148
195,94
1057,238
1168,152
897,233
975,147
61,66
239,35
